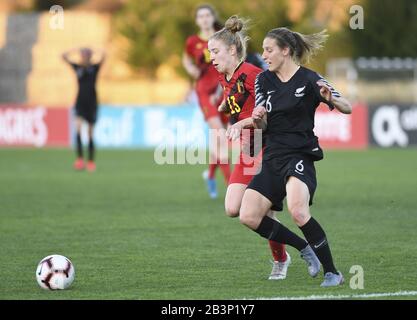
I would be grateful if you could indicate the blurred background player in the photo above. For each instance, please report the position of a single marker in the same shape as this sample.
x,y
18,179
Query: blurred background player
x,y
196,61
228,51
255,58
86,103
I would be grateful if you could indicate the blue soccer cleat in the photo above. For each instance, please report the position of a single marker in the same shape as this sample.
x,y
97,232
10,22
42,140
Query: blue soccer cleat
x,y
211,185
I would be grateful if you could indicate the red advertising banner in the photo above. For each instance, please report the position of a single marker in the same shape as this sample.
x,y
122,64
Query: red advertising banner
x,y
342,131
21,125
33,126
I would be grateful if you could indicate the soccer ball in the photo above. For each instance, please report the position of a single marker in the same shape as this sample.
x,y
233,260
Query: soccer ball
x,y
55,272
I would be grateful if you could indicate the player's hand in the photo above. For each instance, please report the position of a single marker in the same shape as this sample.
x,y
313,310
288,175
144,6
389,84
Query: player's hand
x,y
233,132
222,107
325,91
258,112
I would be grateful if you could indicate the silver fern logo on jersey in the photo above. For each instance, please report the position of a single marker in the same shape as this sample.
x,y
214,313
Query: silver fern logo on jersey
x,y
300,92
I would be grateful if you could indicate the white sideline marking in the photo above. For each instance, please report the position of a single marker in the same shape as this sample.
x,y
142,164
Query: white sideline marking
x,y
346,296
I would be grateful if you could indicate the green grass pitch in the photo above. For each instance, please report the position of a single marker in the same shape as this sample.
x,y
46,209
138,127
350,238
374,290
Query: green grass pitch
x,y
136,230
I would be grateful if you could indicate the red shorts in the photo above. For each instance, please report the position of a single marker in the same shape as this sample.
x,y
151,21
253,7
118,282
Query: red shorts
x,y
209,110
246,169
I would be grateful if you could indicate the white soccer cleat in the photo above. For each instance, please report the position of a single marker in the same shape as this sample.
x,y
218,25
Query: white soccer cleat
x,y
313,263
332,279
279,269
205,174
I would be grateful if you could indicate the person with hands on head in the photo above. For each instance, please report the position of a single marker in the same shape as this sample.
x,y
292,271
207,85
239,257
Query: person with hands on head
x,y
86,105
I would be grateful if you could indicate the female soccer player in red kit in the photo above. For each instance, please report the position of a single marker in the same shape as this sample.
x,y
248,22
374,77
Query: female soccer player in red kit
x,y
228,51
196,61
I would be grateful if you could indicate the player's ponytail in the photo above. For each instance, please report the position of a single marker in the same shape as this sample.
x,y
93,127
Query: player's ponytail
x,y
233,33
302,47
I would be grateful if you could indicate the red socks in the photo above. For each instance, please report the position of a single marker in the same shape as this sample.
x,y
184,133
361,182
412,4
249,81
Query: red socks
x,y
225,168
212,170
278,251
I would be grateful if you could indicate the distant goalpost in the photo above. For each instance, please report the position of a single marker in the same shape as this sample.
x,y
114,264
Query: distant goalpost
x,y
375,79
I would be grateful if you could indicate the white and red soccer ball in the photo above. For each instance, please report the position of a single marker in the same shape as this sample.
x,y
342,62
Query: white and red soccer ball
x,y
55,272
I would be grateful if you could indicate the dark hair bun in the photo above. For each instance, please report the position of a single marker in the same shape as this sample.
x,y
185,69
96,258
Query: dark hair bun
x,y
234,24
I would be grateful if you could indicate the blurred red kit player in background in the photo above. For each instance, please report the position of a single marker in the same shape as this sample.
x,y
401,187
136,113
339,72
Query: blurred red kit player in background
x,y
196,61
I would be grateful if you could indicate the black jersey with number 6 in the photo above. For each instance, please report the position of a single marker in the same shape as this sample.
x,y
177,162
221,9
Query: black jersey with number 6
x,y
290,109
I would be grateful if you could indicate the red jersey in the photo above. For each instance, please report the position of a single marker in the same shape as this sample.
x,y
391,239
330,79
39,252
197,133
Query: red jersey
x,y
239,91
197,49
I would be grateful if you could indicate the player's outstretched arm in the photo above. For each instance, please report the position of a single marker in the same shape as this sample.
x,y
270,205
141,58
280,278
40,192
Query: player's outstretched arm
x,y
340,103
66,54
102,54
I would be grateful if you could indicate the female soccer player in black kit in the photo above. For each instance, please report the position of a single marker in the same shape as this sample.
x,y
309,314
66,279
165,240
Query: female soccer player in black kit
x,y
86,103
287,95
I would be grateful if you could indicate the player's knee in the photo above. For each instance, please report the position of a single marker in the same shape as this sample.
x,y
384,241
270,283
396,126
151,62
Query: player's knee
x,y
299,213
232,211
232,204
249,219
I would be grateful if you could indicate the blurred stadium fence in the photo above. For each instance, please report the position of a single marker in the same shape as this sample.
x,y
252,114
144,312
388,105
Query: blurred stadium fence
x,y
375,80
384,125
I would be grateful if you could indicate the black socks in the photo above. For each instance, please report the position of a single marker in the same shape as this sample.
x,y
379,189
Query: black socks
x,y
91,150
79,145
313,232
316,237
273,230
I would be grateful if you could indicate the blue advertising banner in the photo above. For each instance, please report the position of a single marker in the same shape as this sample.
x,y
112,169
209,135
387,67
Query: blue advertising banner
x,y
149,126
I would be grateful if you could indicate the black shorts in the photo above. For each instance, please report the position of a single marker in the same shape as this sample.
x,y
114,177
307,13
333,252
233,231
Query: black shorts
x,y
272,179
88,113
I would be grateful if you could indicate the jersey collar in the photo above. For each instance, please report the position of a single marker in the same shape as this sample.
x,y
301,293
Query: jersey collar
x,y
235,73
